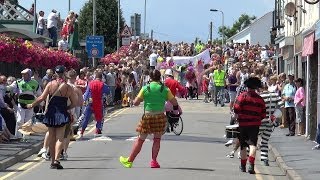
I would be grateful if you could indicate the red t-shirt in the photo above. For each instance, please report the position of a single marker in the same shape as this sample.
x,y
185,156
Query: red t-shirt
x,y
174,85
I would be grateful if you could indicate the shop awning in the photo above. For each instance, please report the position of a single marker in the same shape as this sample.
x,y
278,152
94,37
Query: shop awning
x,y
308,42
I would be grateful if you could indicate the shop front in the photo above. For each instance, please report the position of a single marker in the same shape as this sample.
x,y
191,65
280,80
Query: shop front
x,y
317,39
310,75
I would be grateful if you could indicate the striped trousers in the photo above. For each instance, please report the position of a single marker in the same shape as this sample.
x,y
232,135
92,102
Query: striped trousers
x,y
265,133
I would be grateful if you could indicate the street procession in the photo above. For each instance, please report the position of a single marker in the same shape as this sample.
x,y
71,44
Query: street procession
x,y
123,89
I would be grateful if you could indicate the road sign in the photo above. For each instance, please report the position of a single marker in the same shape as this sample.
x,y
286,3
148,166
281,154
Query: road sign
x,y
126,32
95,46
126,41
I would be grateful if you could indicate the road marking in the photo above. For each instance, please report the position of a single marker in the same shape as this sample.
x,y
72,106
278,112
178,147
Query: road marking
x,y
134,138
33,165
101,138
21,168
258,175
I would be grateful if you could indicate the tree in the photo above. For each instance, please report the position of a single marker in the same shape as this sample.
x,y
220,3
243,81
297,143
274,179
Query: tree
x,y
243,22
107,22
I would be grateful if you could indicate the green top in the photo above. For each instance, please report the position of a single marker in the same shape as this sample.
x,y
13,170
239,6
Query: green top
x,y
155,95
218,77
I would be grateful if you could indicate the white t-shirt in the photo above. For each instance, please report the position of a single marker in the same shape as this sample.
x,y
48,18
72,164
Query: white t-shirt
x,y
40,24
52,20
63,45
153,59
264,55
135,76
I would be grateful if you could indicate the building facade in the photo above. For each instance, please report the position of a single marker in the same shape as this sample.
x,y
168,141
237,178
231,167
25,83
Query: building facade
x,y
297,50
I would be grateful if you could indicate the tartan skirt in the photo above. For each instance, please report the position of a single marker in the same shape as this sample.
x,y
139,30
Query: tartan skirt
x,y
152,123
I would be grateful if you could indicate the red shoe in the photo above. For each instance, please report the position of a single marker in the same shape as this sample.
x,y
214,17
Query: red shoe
x,y
154,164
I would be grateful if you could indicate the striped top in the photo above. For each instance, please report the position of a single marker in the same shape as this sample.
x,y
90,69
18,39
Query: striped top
x,y
272,101
250,108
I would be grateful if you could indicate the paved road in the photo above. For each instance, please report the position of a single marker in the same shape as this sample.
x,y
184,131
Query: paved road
x,y
199,153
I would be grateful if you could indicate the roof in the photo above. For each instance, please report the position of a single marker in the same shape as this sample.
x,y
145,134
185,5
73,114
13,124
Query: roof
x,y
24,34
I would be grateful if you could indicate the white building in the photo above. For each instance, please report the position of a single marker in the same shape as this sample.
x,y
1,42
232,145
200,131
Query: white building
x,y
296,44
256,33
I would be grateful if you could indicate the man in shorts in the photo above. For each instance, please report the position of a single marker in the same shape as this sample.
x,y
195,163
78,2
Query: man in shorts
x,y
250,109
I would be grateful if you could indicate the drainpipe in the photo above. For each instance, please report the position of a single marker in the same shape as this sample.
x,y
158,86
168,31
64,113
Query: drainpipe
x,y
307,97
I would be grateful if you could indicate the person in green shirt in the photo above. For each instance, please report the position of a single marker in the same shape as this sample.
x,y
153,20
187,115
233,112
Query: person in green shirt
x,y
153,120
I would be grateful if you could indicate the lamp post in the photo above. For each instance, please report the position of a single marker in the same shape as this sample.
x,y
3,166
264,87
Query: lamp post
x,y
35,16
216,10
69,6
94,27
118,30
145,17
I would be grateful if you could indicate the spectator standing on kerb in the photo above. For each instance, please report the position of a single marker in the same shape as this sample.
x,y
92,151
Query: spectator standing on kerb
x,y
41,23
52,25
288,94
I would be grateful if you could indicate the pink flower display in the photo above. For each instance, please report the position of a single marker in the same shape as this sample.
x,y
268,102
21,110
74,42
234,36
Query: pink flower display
x,y
33,55
116,56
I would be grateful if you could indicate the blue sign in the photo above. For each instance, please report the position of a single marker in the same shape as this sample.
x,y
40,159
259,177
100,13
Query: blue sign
x,y
317,32
95,46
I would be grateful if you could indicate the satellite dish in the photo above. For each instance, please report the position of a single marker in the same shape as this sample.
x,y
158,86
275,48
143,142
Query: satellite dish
x,y
290,9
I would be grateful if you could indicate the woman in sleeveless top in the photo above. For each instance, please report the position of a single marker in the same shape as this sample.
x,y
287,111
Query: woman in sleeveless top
x,y
57,116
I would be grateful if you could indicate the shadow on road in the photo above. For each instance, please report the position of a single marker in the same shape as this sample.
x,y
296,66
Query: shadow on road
x,y
191,169
194,139
87,168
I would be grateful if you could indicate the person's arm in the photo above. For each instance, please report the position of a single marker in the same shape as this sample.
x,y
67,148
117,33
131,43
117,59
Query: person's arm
x,y
41,98
139,98
180,88
176,109
237,106
303,96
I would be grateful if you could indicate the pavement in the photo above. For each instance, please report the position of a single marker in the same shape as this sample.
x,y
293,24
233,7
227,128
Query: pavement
x,y
16,151
295,156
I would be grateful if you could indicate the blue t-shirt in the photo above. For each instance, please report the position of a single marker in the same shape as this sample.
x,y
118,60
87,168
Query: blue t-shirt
x,y
289,90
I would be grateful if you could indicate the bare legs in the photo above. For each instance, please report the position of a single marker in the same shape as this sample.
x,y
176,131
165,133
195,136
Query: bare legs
x,y
56,139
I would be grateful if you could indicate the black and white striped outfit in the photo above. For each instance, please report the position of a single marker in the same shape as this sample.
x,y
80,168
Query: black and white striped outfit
x,y
273,102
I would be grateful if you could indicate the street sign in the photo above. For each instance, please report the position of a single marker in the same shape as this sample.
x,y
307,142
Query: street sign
x,y
126,41
95,46
126,31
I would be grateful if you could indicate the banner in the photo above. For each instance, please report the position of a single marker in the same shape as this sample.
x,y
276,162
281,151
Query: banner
x,y
182,60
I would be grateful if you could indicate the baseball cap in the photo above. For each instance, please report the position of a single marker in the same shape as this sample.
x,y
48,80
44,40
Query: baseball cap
x,y
60,69
27,71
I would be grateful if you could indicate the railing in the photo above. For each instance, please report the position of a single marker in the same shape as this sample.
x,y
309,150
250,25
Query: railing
x,y
12,12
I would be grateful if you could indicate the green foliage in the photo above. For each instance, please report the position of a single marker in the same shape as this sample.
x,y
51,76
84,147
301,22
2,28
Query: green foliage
x,y
243,22
107,22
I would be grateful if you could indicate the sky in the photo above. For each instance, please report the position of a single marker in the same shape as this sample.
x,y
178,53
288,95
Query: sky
x,y
173,20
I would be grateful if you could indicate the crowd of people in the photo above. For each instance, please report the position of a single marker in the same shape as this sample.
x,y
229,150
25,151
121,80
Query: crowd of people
x,y
237,73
